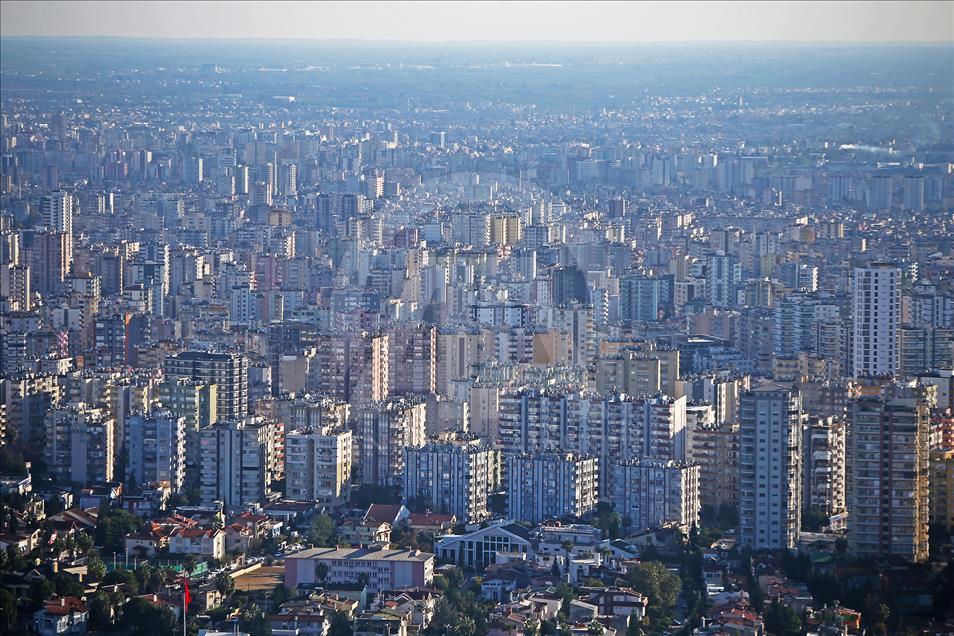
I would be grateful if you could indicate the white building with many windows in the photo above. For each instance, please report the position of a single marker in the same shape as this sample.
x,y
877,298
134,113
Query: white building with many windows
x,y
648,493
318,466
551,485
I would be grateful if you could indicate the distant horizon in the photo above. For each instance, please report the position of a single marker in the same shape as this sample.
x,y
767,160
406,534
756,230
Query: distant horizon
x,y
490,22
273,40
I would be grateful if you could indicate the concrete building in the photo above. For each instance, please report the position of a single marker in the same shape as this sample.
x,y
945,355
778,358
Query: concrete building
x,y
412,359
318,466
238,462
155,449
452,476
715,449
889,463
80,444
381,432
942,488
876,314
770,468
228,371
384,568
823,465
612,427
480,545
551,485
648,493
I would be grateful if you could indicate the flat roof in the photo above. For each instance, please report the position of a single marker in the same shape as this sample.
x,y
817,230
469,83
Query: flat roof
x,y
362,554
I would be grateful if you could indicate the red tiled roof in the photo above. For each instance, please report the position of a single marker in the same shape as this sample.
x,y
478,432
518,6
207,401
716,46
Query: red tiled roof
x,y
64,605
383,512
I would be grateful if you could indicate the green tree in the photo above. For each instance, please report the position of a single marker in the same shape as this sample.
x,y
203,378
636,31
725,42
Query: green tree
x,y
321,572
279,596
100,612
122,577
813,520
40,591
83,543
781,620
340,625
224,583
322,531
255,622
68,585
112,527
96,569
662,588
143,618
8,611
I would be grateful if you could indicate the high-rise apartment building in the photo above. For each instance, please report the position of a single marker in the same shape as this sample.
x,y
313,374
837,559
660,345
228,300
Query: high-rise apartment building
x,y
551,485
889,463
648,493
382,430
79,445
57,211
318,466
228,371
452,476
770,452
715,449
155,449
238,462
876,314
412,359
823,465
942,488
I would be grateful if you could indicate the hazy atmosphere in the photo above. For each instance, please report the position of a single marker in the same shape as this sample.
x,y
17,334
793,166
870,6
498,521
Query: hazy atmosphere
x,y
476,319
491,21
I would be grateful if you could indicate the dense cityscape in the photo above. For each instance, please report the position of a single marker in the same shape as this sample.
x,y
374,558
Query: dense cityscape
x,y
312,339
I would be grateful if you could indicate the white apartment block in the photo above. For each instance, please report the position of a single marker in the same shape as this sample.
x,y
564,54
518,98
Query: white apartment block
x,y
648,493
876,314
318,466
770,468
551,485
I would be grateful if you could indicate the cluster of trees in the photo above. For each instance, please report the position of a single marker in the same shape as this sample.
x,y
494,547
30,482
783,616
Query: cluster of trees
x,y
661,587
459,611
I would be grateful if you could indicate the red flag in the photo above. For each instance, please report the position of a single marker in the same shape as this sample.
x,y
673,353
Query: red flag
x,y
186,597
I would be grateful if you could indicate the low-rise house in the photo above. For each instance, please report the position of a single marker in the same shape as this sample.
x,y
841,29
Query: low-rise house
x,y
207,542
418,603
833,619
575,538
262,526
147,541
360,532
62,615
617,601
430,522
499,590
582,612
23,541
300,618
153,499
205,597
73,520
238,537
390,513
381,622
734,618
292,514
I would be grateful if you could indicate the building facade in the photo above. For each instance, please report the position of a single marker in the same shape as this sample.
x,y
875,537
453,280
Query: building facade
x,y
770,468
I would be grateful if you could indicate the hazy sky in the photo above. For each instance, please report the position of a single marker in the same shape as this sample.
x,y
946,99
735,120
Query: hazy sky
x,y
489,21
